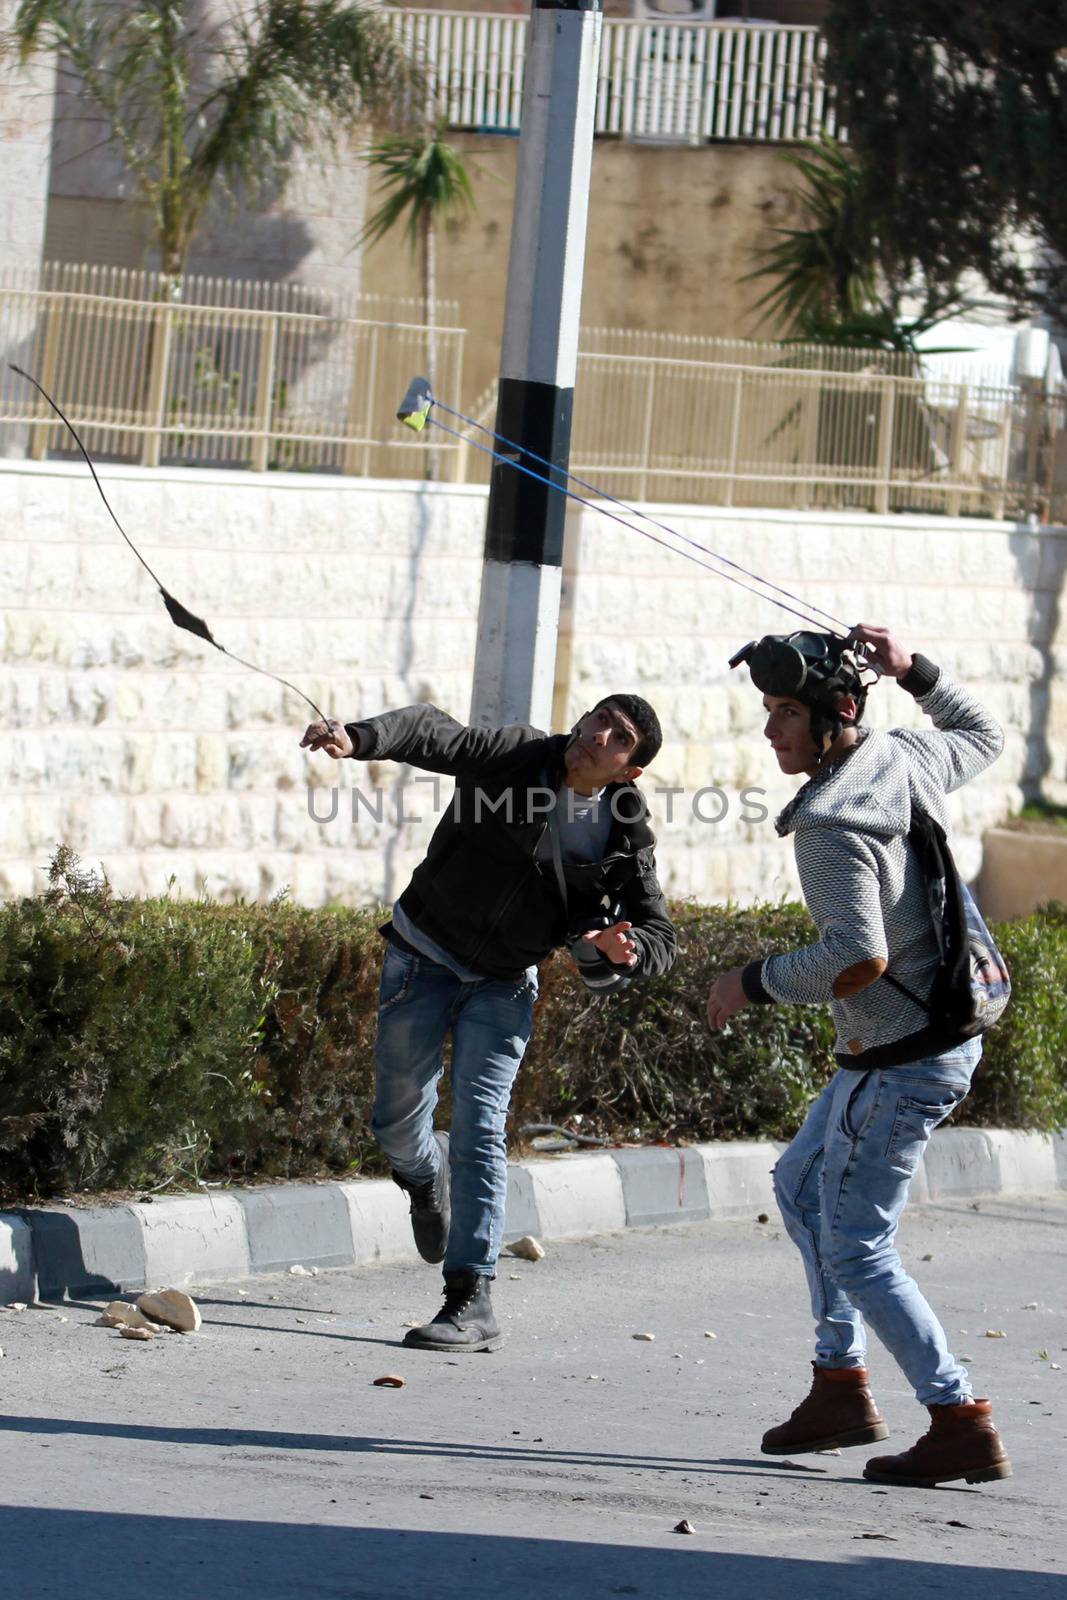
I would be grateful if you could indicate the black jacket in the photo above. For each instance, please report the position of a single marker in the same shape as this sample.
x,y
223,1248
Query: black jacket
x,y
480,892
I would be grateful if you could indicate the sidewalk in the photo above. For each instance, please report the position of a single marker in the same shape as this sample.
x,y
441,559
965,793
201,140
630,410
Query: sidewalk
x,y
51,1251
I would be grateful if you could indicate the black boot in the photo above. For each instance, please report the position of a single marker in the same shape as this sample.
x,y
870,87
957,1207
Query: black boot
x,y
464,1322
430,1209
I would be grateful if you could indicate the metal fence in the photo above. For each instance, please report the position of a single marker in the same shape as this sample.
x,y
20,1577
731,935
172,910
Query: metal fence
x,y
805,427
682,82
278,376
260,375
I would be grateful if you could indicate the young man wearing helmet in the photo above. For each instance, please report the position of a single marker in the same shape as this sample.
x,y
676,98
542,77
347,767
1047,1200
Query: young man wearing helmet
x,y
843,1182
545,842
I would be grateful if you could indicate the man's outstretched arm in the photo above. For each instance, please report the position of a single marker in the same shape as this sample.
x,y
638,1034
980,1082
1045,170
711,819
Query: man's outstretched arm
x,y
422,736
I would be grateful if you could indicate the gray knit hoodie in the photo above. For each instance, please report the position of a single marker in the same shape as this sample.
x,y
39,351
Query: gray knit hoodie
x,y
863,885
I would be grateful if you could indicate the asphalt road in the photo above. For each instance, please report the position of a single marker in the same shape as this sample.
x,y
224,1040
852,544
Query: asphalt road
x,y
256,1460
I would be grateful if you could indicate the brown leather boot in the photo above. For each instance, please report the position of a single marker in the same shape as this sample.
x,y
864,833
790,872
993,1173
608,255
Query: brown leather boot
x,y
840,1410
962,1443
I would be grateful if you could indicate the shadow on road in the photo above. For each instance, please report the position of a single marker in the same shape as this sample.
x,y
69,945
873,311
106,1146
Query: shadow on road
x,y
361,1444
93,1552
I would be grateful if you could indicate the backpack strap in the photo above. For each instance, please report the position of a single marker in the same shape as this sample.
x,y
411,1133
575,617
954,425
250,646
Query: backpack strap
x,y
903,989
922,837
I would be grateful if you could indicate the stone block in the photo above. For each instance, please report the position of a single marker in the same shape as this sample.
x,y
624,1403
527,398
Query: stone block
x,y
293,828
22,699
521,1216
12,826
1018,557
87,700
308,880
1026,1162
578,1194
1021,871
380,1220
31,636
16,1259
103,577
91,823
960,1163
86,1250
224,876
46,507
1059,1155
206,822
19,879
14,570
11,479
145,822
257,814
42,821
308,1224
662,1186
193,1239
1053,566
738,1178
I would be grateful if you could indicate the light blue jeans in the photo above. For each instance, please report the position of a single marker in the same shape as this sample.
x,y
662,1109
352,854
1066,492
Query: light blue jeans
x,y
842,1186
420,1003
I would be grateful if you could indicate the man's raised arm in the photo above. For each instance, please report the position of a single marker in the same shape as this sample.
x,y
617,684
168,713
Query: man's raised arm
x,y
967,739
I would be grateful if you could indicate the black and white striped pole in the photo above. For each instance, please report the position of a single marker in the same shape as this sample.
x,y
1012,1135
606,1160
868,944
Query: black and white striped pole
x,y
518,616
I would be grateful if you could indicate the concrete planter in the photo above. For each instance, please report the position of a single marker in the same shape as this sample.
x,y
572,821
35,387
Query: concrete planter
x,y
1021,871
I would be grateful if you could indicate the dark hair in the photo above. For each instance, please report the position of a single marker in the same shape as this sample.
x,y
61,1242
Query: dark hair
x,y
644,719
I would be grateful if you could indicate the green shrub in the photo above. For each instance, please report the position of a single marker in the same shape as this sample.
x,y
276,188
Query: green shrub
x,y
315,1066
150,1042
128,1035
644,1064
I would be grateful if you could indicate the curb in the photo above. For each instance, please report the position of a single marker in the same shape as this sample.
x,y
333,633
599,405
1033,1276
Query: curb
x,y
50,1252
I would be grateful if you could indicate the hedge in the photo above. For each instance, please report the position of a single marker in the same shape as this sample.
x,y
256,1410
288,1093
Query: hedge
x,y
148,1043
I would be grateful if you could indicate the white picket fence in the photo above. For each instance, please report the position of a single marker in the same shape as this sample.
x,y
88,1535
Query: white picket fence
x,y
681,82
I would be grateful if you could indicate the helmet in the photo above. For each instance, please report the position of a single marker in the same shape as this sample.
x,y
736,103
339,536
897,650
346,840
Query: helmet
x,y
818,669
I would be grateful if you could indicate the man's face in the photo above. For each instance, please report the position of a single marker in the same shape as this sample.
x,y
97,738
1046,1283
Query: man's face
x,y
788,727
601,748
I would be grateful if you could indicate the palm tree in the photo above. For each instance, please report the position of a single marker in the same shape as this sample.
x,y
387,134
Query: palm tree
x,y
424,180
836,280
829,268
196,108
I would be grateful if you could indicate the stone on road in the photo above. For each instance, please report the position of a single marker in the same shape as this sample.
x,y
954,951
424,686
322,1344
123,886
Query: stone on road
x,y
260,1461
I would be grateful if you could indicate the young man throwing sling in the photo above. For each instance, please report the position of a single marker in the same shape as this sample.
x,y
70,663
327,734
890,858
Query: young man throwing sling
x,y
546,842
843,1182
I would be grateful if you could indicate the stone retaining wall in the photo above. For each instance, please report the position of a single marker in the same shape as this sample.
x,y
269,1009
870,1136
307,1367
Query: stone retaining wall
x,y
149,753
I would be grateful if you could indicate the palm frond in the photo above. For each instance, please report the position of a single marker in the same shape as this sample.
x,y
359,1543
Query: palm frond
x,y
195,108
297,70
422,177
830,266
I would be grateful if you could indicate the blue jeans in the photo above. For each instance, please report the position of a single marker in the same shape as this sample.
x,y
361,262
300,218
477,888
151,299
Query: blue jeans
x,y
842,1186
419,1004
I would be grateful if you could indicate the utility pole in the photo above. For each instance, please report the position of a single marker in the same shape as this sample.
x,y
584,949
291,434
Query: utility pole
x,y
518,616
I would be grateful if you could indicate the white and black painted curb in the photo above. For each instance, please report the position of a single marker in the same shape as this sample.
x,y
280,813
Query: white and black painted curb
x,y
49,1252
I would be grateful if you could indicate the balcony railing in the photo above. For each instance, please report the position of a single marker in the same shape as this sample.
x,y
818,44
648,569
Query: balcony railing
x,y
680,82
